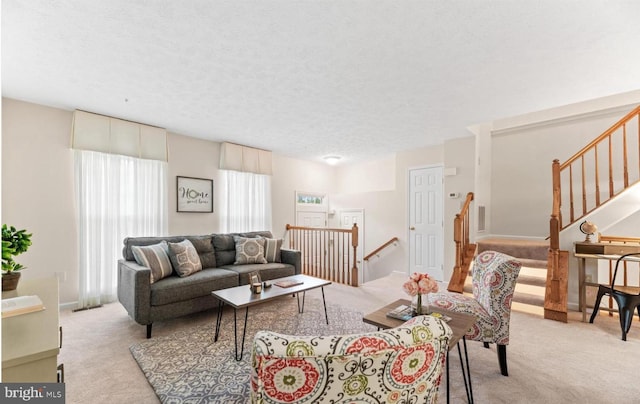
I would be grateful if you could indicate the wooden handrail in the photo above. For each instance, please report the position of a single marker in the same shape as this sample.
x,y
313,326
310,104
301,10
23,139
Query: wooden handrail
x,y
464,249
604,135
382,247
327,253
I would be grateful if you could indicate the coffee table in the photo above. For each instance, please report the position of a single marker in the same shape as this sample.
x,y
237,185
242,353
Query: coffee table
x,y
460,323
241,297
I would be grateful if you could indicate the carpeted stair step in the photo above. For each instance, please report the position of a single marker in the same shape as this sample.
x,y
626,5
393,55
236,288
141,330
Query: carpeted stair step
x,y
530,288
541,264
523,249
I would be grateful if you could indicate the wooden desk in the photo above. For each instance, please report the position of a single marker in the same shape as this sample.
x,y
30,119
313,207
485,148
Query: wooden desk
x,y
597,251
30,342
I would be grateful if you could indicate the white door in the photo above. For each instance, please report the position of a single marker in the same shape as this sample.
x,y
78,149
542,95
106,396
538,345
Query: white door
x,y
347,219
426,224
311,219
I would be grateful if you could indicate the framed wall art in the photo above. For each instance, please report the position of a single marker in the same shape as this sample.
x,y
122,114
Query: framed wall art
x,y
194,194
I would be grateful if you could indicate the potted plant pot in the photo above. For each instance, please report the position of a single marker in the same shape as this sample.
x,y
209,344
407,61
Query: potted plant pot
x,y
10,280
14,242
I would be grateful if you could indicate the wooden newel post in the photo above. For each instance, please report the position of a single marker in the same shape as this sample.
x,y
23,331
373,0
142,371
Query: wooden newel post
x,y
555,299
354,244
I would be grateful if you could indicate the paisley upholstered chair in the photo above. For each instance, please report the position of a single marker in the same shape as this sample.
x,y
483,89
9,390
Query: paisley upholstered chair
x,y
402,364
494,280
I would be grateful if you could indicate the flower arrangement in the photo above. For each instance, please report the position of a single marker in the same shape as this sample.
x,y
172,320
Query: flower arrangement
x,y
418,285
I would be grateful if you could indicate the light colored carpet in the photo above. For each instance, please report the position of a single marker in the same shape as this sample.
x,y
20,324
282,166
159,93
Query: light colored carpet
x,y
549,362
189,367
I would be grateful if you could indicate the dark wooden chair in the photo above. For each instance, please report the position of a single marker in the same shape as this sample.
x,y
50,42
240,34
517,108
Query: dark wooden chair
x,y
627,298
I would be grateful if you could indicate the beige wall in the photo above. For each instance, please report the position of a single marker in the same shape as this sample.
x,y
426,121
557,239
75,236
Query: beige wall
x,y
521,192
291,175
191,157
38,187
38,190
38,193
459,155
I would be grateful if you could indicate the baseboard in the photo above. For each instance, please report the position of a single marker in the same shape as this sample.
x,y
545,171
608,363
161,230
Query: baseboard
x,y
64,306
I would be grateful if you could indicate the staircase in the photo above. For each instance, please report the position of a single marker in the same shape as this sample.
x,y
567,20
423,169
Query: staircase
x,y
530,287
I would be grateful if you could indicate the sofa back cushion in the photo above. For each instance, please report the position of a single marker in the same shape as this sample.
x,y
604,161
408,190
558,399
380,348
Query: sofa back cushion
x,y
202,244
154,257
225,245
184,258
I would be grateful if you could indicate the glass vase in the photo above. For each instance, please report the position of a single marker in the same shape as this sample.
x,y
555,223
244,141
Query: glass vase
x,y
418,308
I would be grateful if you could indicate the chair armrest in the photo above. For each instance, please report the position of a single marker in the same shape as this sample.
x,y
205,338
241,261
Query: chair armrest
x,y
134,290
292,257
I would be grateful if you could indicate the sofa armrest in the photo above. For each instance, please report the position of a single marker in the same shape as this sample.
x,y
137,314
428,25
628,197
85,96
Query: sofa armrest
x,y
292,257
134,290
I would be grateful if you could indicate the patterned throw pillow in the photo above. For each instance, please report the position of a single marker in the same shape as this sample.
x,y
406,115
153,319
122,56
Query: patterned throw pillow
x,y
249,250
154,257
185,258
272,249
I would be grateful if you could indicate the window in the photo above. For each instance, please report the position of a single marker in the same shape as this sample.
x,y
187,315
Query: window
x,y
117,197
245,202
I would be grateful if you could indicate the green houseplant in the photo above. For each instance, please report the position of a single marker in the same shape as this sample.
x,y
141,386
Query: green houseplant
x,y
14,242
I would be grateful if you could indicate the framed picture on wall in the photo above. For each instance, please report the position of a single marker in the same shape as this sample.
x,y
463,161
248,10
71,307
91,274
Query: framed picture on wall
x,y
194,194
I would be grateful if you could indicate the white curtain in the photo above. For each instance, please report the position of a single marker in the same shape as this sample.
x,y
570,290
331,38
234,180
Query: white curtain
x,y
117,197
245,202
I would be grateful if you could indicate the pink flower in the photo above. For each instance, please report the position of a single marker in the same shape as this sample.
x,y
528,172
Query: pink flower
x,y
410,287
420,283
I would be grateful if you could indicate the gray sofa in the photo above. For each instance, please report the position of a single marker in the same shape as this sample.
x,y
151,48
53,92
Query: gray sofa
x,y
176,296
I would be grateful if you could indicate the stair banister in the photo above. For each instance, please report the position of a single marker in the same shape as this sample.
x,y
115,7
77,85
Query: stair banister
x,y
464,250
556,290
379,249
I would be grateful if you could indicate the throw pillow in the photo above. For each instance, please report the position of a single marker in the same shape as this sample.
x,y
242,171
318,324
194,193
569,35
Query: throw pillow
x,y
272,249
249,250
154,257
184,258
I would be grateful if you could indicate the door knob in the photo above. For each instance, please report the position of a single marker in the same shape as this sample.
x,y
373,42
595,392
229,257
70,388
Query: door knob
x,y
412,228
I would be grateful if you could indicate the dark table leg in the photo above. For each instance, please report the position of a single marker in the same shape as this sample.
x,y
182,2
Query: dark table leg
x,y
235,332
218,320
448,380
326,317
324,302
466,371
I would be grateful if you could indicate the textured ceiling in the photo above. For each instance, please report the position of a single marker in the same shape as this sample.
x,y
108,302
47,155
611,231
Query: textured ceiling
x,y
360,79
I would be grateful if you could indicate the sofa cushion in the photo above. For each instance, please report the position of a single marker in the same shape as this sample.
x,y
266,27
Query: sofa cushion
x,y
249,250
272,248
204,246
267,271
184,257
225,246
154,257
175,289
129,242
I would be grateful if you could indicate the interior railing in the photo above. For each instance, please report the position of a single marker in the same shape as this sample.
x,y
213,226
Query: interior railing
x,y
464,249
596,174
329,254
377,251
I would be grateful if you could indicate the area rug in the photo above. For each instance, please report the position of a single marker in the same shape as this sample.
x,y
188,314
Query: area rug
x,y
188,367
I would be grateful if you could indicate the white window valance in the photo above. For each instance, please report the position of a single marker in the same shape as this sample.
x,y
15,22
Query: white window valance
x,y
236,157
116,136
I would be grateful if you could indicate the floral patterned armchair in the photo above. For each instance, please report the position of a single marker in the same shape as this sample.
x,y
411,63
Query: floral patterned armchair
x,y
494,280
402,364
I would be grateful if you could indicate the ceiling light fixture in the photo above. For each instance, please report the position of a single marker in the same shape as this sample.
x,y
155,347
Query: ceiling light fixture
x,y
333,160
